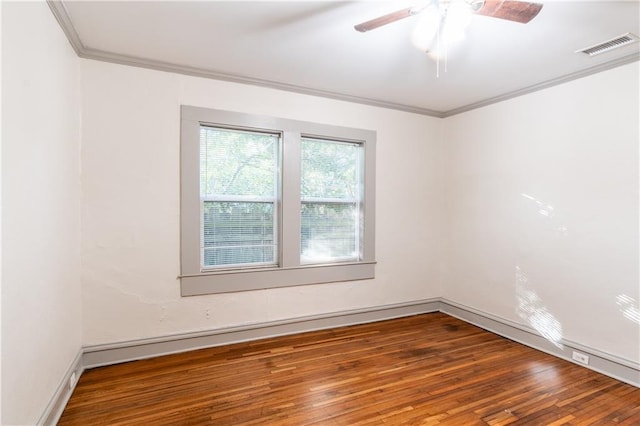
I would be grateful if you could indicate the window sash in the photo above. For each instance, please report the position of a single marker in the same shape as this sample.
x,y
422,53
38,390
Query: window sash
x,y
334,170
216,245
329,240
214,255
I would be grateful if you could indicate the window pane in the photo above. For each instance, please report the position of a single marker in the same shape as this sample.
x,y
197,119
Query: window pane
x,y
330,196
329,169
238,192
329,232
238,233
234,162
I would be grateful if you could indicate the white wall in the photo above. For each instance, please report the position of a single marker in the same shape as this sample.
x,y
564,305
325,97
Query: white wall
x,y
527,209
130,207
41,313
0,216
541,211
542,203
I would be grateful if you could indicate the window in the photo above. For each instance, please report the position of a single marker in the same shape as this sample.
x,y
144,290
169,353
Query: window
x,y
238,195
269,202
330,201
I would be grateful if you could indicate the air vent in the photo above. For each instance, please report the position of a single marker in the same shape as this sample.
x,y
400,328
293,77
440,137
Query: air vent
x,y
608,45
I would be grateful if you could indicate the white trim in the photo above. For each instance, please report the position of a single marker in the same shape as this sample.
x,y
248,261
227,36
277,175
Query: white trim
x,y
62,16
133,61
608,364
63,19
114,353
58,401
546,84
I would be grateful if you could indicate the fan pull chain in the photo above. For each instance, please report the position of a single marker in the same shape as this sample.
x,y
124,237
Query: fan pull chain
x,y
446,57
438,49
444,44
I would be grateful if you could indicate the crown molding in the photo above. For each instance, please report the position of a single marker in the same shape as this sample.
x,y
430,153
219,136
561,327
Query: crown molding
x,y
546,84
134,61
62,16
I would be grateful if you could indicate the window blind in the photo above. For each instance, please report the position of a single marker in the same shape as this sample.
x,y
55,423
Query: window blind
x,y
330,201
238,193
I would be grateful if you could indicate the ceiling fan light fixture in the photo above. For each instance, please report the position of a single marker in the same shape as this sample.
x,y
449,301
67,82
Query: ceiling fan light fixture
x,y
457,18
476,5
426,29
447,23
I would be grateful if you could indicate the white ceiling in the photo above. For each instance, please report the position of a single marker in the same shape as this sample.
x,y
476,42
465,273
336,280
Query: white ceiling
x,y
311,47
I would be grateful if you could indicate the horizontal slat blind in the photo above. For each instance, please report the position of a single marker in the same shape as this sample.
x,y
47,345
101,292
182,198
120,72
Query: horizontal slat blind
x,y
330,201
238,193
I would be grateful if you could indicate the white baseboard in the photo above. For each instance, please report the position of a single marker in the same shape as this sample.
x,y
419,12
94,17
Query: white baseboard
x,y
607,364
99,355
58,402
115,353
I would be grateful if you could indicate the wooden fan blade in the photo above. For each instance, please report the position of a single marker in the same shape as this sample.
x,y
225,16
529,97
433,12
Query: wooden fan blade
x,y
517,11
384,20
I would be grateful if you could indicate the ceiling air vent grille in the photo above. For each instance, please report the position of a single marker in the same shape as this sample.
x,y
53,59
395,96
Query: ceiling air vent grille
x,y
608,45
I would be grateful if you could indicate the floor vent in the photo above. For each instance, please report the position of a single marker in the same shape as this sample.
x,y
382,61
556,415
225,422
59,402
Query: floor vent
x,y
608,45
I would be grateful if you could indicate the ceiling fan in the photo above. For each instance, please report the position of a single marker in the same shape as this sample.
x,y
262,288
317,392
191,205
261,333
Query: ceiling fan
x,y
510,10
444,22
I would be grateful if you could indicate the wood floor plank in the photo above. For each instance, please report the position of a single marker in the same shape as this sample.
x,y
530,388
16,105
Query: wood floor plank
x,y
428,369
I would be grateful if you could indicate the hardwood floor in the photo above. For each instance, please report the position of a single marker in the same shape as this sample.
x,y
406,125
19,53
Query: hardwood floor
x,y
426,369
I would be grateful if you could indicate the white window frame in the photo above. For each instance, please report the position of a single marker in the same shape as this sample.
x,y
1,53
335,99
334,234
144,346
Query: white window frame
x,y
289,271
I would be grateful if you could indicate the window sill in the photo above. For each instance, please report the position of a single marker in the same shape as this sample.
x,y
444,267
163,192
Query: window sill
x,y
258,279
